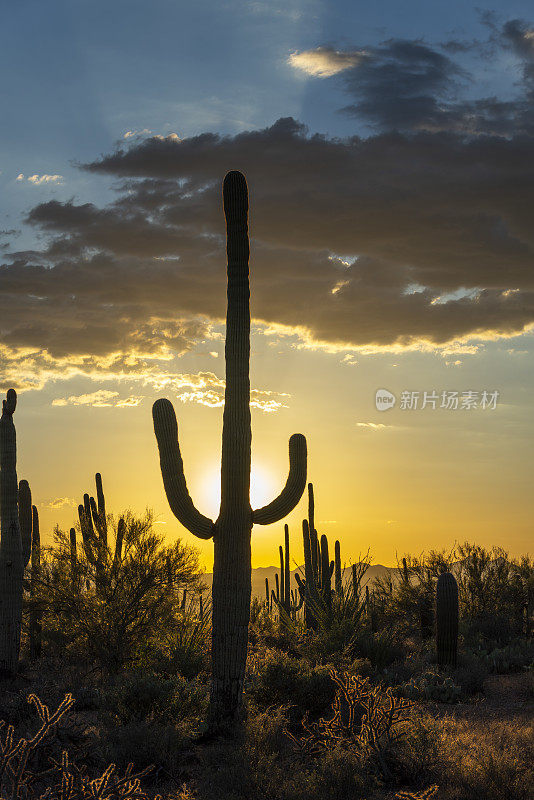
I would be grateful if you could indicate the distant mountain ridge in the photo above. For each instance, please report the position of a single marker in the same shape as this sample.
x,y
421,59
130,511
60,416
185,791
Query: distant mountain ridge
x,y
260,573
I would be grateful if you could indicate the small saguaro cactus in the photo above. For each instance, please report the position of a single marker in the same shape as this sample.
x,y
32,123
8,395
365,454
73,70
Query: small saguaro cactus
x,y
287,601
316,588
338,573
94,528
231,532
35,612
14,552
447,619
73,558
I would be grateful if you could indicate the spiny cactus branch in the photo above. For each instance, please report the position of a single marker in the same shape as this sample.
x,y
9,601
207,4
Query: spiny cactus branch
x,y
25,520
292,491
172,470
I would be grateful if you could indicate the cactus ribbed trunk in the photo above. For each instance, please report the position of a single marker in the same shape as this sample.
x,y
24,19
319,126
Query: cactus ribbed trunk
x,y
447,619
287,575
232,587
11,562
35,613
338,574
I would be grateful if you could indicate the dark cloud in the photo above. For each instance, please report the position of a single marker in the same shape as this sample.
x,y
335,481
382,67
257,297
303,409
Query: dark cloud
x,y
421,236
412,86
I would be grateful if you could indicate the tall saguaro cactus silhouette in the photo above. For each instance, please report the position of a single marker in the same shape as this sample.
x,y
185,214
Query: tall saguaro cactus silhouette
x,y
15,545
231,531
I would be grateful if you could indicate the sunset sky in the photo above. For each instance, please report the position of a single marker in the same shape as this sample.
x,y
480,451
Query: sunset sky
x,y
389,153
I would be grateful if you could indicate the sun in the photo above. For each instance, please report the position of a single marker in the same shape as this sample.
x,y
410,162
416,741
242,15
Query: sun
x,y
262,489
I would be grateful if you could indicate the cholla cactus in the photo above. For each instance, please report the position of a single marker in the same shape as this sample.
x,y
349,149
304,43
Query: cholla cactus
x,y
447,619
14,550
231,590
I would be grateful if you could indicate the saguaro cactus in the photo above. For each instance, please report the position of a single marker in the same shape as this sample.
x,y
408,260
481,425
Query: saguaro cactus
x,y
316,588
14,554
338,573
231,532
35,611
447,619
94,528
286,600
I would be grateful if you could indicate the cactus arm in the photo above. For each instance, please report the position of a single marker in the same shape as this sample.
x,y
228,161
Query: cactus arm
x,y
86,528
118,543
338,571
326,571
25,520
287,584
282,575
308,569
73,559
172,470
100,499
35,613
290,495
94,514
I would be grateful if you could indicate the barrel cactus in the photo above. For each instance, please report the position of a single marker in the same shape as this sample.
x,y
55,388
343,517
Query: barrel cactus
x,y
231,532
447,619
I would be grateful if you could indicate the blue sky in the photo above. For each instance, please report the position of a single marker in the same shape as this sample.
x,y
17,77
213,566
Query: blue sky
x,y
79,74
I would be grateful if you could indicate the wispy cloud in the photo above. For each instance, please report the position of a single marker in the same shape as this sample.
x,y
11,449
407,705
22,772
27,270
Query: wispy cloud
x,y
38,180
58,502
99,399
323,62
373,426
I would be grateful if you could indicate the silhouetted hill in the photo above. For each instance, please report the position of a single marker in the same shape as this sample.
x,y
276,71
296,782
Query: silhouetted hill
x,y
260,573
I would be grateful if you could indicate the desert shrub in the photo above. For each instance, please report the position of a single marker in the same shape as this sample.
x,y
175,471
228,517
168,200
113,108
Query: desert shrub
x,y
494,760
417,760
277,679
512,658
381,648
496,594
470,678
109,617
146,744
263,766
182,648
404,599
433,686
362,667
150,698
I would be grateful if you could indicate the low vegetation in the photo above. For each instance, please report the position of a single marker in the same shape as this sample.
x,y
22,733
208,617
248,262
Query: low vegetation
x,y
357,706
